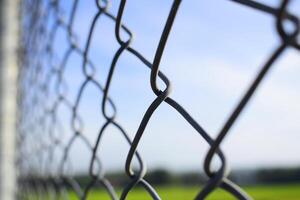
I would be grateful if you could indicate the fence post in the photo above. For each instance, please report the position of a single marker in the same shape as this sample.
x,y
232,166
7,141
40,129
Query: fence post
x,y
9,25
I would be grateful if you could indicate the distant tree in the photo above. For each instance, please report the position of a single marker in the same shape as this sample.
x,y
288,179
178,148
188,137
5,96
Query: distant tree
x,y
192,178
159,177
286,175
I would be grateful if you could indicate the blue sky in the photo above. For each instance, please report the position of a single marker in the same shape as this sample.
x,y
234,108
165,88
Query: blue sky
x,y
213,53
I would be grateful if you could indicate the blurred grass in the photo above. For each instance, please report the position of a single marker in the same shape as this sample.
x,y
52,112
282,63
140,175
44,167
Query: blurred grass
x,y
267,192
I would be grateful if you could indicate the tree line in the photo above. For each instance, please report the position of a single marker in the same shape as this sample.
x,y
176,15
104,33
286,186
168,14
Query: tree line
x,y
161,177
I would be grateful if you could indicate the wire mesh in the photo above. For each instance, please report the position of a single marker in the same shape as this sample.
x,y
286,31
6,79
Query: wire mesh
x,y
43,160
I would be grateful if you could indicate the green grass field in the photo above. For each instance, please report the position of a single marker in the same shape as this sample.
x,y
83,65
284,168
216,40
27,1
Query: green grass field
x,y
277,192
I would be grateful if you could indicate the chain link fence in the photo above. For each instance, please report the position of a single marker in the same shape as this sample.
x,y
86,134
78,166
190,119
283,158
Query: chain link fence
x,y
44,150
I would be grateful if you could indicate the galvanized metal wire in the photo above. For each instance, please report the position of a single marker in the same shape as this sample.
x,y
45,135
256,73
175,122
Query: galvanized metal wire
x,y
43,159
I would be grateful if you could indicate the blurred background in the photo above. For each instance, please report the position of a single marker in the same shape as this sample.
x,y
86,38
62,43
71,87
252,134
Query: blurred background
x,y
214,52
